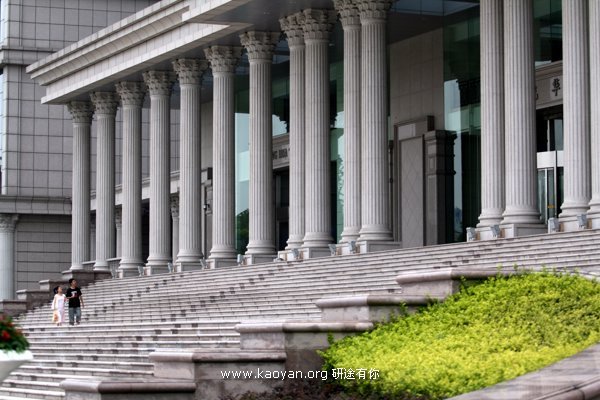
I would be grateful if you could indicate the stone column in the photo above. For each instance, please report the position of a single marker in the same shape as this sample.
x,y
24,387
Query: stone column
x,y
492,107
375,208
105,104
81,111
175,217
295,37
317,24
352,187
118,226
519,91
189,72
260,46
159,85
222,62
132,98
7,256
92,237
576,111
594,212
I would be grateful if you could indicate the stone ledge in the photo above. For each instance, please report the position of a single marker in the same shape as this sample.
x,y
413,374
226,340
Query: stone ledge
x,y
122,389
34,298
13,308
216,356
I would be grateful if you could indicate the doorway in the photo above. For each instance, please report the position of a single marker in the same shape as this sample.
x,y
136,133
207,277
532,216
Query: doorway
x,y
550,166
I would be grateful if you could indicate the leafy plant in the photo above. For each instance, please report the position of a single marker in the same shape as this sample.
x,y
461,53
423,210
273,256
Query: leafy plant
x,y
485,334
11,337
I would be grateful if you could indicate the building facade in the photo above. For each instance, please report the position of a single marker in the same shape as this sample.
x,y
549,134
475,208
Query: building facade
x,y
203,130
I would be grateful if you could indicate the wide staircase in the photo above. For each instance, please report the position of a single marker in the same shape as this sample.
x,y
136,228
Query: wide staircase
x,y
125,320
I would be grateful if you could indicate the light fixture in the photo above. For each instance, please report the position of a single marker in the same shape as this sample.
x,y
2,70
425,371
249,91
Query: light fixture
x,y
296,254
352,247
170,267
471,235
553,225
277,259
203,263
332,249
582,221
140,270
240,259
495,231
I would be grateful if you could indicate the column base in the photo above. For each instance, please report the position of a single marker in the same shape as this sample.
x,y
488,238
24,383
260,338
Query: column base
x,y
250,259
369,246
101,266
83,277
218,262
518,230
574,223
183,266
594,219
304,253
130,269
155,269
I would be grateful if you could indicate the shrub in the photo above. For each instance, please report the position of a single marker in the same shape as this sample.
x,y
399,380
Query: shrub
x,y
483,335
11,338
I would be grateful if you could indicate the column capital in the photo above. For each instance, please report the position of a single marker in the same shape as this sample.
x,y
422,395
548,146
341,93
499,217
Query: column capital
x,y
189,70
118,217
175,206
81,111
8,222
105,103
292,28
317,24
259,45
223,59
131,93
159,82
373,10
348,11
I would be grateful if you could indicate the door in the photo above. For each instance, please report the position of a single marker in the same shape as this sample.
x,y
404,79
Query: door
x,y
550,171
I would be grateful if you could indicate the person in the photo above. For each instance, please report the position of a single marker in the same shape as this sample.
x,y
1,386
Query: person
x,y
75,298
58,305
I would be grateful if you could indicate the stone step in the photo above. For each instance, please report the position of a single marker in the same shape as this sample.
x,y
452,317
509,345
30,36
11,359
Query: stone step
x,y
57,374
135,338
47,393
127,345
115,330
129,359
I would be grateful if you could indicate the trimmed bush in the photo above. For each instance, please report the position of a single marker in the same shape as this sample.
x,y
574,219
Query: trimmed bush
x,y
485,334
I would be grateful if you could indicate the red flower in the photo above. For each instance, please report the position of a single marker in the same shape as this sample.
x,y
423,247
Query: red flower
x,y
5,336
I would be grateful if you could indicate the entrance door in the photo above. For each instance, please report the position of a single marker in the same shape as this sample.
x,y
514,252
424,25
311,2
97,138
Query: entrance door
x,y
550,170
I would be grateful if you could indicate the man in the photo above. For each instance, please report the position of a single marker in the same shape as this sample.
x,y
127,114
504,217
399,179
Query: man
x,y
75,302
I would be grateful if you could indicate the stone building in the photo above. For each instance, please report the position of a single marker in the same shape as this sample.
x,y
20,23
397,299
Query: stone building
x,y
237,131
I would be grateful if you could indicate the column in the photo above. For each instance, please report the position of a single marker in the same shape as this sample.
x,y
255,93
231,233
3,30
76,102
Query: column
x,y
317,24
576,111
295,38
594,212
492,107
105,104
222,62
159,85
92,237
7,254
260,46
519,90
81,111
352,187
132,98
175,224
189,72
375,209
118,227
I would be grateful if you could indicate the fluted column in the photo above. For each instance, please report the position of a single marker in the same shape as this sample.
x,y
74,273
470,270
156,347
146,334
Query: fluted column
x,y
132,98
260,46
576,111
492,108
519,90
222,62
105,104
594,27
375,209
316,25
175,218
189,72
352,187
159,85
295,38
7,256
118,228
81,111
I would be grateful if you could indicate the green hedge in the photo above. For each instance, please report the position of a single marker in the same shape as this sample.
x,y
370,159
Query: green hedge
x,y
487,333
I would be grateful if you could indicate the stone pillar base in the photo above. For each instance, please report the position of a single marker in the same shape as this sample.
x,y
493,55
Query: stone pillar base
x,y
518,230
572,223
129,271
303,253
155,269
369,246
250,259
594,221
183,266
218,262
